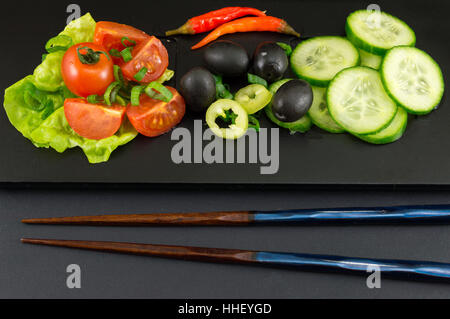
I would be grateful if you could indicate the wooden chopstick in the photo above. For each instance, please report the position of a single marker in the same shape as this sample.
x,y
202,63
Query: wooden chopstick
x,y
367,215
175,252
422,269
215,218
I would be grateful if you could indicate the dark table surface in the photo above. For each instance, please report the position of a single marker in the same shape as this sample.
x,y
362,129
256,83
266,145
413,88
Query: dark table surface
x,y
40,272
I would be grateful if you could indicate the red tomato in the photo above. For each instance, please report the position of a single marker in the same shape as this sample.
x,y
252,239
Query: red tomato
x,y
110,34
155,117
151,54
93,121
85,79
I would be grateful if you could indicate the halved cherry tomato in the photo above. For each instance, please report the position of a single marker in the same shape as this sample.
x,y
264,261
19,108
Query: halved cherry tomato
x,y
110,35
150,54
93,121
84,77
154,117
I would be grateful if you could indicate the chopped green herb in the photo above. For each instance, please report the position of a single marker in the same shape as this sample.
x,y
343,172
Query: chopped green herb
x,y
135,94
115,53
254,79
286,47
130,41
111,92
126,54
141,74
253,122
58,43
93,99
158,91
222,90
118,76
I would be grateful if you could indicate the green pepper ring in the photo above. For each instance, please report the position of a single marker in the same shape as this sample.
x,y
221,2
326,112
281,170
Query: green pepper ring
x,y
253,97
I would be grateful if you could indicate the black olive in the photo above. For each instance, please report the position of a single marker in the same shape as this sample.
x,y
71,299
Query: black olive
x,y
270,61
198,88
292,100
226,58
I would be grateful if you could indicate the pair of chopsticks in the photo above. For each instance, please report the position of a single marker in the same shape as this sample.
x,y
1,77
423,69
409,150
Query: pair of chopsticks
x,y
424,269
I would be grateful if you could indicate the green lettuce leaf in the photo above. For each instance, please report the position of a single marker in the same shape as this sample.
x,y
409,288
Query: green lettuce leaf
x,y
25,105
81,30
26,108
34,104
47,75
55,132
166,76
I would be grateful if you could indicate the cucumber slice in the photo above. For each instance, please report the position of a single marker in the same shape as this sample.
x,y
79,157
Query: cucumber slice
x,y
358,102
391,133
413,79
371,60
302,125
318,60
377,31
319,112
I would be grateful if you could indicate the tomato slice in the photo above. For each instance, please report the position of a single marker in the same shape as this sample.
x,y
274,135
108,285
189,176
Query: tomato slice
x,y
150,54
110,34
93,121
154,117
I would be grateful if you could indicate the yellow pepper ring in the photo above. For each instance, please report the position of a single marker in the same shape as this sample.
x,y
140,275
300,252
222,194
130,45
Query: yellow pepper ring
x,y
233,131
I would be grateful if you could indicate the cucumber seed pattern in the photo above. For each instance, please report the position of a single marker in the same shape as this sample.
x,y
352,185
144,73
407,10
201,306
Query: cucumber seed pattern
x,y
412,77
381,28
359,101
322,57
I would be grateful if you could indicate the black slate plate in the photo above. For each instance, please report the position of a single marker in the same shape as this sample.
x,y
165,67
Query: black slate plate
x,y
420,158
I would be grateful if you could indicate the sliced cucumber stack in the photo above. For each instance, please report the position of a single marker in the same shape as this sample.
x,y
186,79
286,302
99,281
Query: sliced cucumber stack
x,y
369,59
365,84
358,102
318,60
391,133
413,79
376,31
302,125
319,112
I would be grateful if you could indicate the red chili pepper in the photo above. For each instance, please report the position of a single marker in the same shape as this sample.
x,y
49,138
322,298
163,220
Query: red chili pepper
x,y
213,19
247,25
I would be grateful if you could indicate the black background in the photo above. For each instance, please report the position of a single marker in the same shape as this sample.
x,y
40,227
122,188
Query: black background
x,y
421,157
39,272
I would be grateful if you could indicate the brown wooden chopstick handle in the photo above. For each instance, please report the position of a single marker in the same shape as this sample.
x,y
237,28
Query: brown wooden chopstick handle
x,y
174,252
215,218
